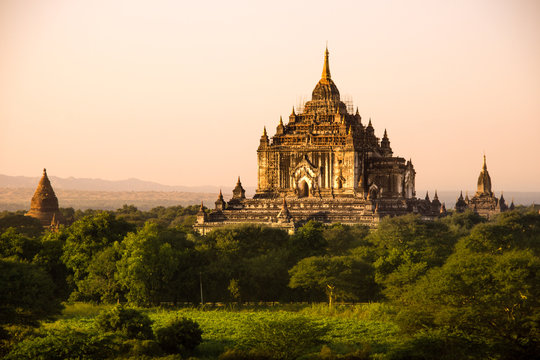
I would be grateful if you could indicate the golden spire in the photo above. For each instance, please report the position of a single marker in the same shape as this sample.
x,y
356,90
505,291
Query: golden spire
x,y
484,167
326,67
280,120
293,114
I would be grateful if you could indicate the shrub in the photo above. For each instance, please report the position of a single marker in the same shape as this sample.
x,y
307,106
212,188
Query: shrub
x,y
140,348
179,335
285,338
66,343
130,323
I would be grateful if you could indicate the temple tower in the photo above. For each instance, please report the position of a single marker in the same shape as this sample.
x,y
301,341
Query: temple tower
x,y
484,181
44,204
483,203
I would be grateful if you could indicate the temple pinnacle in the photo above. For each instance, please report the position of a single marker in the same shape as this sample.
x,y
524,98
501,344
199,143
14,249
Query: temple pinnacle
x,y
484,167
326,67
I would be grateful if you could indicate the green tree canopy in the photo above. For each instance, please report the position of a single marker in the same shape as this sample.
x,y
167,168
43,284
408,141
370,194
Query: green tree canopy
x,y
339,277
26,294
87,237
156,265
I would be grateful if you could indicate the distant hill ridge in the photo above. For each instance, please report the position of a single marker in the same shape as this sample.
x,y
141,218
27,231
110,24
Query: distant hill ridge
x,y
132,184
16,192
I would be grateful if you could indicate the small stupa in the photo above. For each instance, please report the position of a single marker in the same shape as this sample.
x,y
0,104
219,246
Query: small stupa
x,y
44,205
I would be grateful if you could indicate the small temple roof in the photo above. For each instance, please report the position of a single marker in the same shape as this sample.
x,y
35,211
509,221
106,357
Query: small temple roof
x,y
44,204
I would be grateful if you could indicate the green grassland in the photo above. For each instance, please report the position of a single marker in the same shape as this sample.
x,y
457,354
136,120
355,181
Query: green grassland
x,y
349,328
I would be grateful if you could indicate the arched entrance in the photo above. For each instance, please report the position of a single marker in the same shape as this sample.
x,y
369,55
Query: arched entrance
x,y
303,189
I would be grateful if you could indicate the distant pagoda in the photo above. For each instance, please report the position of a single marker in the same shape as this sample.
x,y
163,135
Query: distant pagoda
x,y
483,203
44,205
324,165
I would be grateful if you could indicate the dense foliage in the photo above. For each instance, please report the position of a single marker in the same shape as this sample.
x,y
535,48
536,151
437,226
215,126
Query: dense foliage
x,y
459,287
179,336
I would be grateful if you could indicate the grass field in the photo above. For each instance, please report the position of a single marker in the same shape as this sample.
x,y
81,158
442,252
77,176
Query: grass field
x,y
349,327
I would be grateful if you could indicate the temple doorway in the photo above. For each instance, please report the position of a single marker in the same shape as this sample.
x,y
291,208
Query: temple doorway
x,y
303,189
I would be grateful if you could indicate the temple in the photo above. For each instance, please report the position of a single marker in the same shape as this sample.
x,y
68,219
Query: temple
x,y
325,165
44,204
484,202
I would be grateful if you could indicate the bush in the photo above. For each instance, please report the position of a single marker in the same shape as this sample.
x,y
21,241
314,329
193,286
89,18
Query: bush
x,y
436,345
284,339
180,335
140,348
66,343
130,323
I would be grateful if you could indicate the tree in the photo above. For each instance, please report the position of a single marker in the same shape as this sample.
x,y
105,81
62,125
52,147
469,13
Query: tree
x,y
255,256
406,247
510,230
87,237
24,225
308,240
27,294
340,277
432,241
491,299
18,245
49,258
342,238
157,265
101,284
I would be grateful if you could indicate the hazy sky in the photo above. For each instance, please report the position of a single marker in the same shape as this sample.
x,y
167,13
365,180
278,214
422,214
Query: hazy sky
x,y
178,91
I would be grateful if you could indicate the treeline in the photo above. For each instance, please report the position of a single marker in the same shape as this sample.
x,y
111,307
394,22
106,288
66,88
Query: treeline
x,y
460,285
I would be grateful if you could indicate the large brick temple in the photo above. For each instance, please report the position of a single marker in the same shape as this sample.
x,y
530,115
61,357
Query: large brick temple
x,y
325,165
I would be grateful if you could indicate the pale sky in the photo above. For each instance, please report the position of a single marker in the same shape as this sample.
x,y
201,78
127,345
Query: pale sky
x,y
178,92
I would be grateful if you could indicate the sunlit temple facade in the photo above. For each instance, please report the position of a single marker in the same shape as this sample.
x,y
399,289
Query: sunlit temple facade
x,y
323,164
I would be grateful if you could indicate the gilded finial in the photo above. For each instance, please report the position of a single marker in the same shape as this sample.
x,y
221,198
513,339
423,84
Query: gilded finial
x,y
484,166
280,120
385,134
326,67
264,131
293,113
